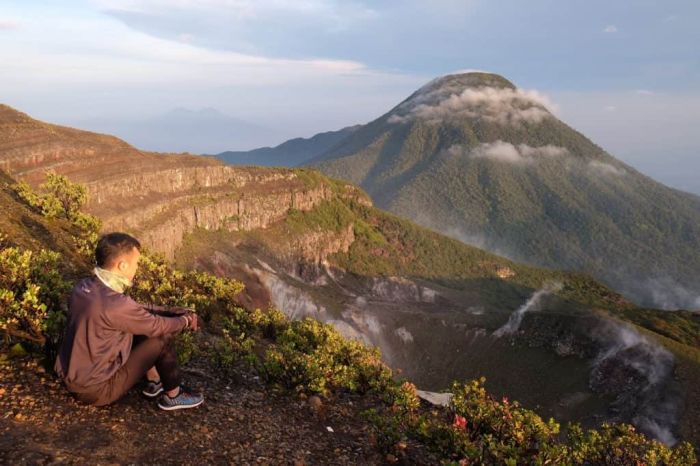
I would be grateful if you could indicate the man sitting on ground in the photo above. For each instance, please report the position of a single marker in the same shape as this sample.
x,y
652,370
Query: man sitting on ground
x,y
111,341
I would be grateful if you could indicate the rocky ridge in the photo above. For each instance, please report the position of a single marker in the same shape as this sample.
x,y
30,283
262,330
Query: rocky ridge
x,y
159,197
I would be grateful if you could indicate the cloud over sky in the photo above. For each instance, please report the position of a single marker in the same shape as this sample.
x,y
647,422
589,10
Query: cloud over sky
x,y
307,66
8,24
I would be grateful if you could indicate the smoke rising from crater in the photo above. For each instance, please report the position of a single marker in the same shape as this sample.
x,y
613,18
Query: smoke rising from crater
x,y
662,292
516,317
640,370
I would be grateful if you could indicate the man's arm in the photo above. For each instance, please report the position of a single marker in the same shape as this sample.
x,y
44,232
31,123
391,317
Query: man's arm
x,y
129,316
167,311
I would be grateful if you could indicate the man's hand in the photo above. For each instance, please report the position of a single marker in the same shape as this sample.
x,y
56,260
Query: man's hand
x,y
192,322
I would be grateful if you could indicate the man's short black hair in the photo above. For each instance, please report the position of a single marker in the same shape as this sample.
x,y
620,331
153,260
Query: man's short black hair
x,y
111,245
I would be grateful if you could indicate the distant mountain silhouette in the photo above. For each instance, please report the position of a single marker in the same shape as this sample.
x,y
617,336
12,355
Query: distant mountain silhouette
x,y
184,130
290,153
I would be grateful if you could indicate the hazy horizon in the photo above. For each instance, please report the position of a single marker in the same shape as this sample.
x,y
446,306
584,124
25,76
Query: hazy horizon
x,y
625,75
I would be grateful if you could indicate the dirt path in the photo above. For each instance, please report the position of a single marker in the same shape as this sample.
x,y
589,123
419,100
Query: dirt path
x,y
243,423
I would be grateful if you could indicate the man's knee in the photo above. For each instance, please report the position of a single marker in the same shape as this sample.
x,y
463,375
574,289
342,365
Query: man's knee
x,y
162,341
167,338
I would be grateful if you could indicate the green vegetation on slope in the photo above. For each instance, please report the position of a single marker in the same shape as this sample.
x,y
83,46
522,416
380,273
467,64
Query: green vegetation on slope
x,y
310,356
389,245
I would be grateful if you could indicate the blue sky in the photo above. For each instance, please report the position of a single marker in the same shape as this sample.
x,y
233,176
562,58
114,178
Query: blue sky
x,y
625,73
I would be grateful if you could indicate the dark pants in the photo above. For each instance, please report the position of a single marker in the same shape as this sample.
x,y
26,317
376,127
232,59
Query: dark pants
x,y
145,353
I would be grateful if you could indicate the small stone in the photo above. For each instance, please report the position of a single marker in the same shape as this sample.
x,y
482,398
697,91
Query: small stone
x,y
391,458
315,404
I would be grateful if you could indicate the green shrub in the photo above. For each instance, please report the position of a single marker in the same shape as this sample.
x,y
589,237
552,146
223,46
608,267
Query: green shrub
x,y
157,282
622,444
313,356
478,429
186,347
88,234
500,431
71,197
62,198
32,293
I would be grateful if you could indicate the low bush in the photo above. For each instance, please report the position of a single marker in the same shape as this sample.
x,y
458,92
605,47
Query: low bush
x,y
32,295
61,198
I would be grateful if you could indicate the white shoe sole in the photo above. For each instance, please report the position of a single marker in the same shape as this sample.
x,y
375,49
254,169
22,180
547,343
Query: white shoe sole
x,y
152,395
174,407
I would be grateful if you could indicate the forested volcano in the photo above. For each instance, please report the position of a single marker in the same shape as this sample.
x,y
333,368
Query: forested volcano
x,y
475,157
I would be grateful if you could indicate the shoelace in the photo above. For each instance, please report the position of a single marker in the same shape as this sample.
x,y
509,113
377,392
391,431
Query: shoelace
x,y
185,394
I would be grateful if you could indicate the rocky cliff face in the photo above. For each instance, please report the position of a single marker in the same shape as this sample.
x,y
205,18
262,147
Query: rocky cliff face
x,y
158,197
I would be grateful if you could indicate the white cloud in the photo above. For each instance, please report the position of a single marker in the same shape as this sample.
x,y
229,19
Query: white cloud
x,y
6,24
610,108
610,28
102,68
507,152
330,14
502,105
186,38
605,169
120,55
643,92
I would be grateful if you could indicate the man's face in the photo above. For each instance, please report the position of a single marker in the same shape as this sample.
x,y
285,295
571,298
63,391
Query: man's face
x,y
127,263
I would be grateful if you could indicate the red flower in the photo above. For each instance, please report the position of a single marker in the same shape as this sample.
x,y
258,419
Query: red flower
x,y
460,422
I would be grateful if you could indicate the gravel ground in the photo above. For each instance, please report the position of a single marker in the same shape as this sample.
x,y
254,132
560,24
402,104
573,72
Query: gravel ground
x,y
241,423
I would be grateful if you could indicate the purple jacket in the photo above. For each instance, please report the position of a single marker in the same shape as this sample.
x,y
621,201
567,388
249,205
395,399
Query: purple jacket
x,y
100,329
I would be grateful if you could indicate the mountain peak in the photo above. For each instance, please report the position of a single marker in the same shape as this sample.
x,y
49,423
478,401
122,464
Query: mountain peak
x,y
461,80
473,94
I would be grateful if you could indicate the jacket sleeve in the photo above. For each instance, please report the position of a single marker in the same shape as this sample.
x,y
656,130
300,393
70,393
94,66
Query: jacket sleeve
x,y
168,311
129,316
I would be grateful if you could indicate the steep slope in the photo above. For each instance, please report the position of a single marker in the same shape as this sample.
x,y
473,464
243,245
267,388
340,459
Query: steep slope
x,y
23,227
290,153
314,246
434,306
474,157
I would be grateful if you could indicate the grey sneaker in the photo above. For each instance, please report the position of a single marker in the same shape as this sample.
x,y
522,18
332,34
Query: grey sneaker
x,y
185,399
153,389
